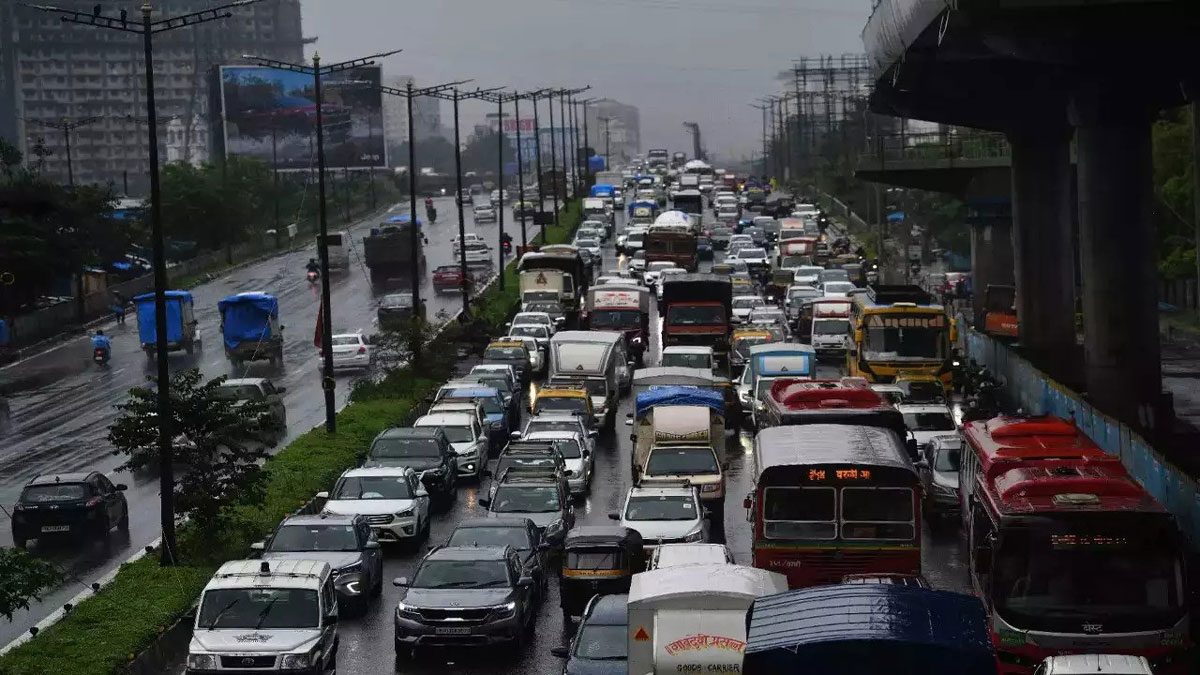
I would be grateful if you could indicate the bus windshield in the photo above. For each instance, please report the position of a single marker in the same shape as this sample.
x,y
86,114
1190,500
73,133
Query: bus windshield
x,y
897,337
1058,581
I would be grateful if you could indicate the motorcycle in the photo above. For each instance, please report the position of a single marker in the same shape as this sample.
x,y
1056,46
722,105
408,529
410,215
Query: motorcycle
x,y
431,214
101,355
506,246
313,276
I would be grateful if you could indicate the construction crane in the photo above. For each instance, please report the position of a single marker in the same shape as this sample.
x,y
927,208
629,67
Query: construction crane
x,y
697,146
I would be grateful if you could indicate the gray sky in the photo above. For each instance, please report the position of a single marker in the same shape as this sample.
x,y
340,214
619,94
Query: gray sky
x,y
677,60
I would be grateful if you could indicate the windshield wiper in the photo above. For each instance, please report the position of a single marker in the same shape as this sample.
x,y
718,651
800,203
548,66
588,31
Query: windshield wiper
x,y
221,613
262,616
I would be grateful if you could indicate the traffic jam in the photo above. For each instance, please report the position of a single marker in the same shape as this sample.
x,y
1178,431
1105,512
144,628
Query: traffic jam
x,y
713,440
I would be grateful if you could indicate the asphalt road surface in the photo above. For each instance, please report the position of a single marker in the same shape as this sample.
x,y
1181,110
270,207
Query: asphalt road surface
x,y
62,404
367,641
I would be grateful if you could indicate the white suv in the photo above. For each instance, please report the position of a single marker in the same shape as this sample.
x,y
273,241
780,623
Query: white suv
x,y
392,498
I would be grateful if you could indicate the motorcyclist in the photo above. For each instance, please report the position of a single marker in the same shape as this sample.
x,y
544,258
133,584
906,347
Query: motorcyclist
x,y
313,266
428,203
101,341
506,240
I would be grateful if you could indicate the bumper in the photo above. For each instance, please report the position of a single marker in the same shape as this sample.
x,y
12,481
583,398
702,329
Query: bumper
x,y
399,529
315,670
412,633
355,361
942,503
352,588
577,486
469,465
830,350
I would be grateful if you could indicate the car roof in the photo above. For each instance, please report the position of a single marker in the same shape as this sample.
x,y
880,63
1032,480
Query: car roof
x,y
552,436
377,471
677,349
321,519
338,335
54,478
555,416
407,432
922,408
511,521
469,553
609,610
237,382
662,491
445,419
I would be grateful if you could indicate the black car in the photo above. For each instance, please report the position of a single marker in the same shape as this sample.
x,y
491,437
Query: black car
x,y
346,542
519,533
600,646
71,505
704,248
510,353
425,450
395,311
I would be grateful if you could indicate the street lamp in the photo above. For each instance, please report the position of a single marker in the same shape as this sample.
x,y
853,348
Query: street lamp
x,y
537,154
607,147
521,161
66,126
147,29
499,99
587,159
317,71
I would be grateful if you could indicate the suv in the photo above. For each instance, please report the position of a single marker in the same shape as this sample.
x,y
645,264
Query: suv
x,y
466,437
544,499
259,389
70,504
346,542
264,616
519,533
423,449
670,514
466,595
578,462
600,645
392,499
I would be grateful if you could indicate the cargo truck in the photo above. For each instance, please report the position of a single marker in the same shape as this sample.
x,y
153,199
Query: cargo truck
x,y
389,253
696,311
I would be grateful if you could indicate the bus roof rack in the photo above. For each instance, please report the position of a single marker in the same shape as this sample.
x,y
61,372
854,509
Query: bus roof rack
x,y
890,294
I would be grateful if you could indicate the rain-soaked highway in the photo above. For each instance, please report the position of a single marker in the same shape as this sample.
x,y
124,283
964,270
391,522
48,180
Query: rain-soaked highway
x,y
366,642
62,404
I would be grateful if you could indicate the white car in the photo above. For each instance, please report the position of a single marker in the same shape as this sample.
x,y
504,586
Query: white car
x,y
559,421
654,270
591,233
498,197
926,420
662,276
637,262
351,352
478,253
890,393
394,501
808,274
741,240
679,356
538,331
540,318
664,515
837,289
744,304
596,225
579,460
591,246
728,213
755,257
466,436
484,213
635,240
768,315
537,356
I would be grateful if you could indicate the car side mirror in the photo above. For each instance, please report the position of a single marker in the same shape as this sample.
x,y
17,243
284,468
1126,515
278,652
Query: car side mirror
x,y
525,582
372,545
321,495
911,446
400,582
560,652
121,487
613,515
516,435
593,433
485,502
280,390
258,546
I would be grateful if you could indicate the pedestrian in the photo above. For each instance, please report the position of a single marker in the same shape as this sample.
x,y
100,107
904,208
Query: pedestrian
x,y
118,307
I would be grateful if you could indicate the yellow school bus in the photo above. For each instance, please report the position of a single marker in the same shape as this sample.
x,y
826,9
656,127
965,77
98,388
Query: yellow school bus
x,y
899,328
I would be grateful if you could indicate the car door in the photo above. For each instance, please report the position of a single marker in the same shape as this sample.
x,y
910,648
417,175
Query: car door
x,y
525,592
422,499
103,489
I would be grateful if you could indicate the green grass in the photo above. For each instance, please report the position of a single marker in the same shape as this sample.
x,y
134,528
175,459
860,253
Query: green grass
x,y
105,631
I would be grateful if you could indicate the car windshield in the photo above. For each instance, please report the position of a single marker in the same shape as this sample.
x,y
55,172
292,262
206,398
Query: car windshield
x,y
491,406
529,330
658,266
516,537
840,327
587,243
947,460
752,253
602,642
932,421
458,434
905,336
681,462
238,392
661,507
259,608
342,340
396,302
748,302
839,287
462,574
574,404
535,425
54,492
511,498
394,448
547,307
568,448
686,361
314,537
722,231
505,353
372,487
616,318
770,315
742,345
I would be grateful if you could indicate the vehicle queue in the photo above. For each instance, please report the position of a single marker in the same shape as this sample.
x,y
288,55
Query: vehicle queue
x,y
1064,547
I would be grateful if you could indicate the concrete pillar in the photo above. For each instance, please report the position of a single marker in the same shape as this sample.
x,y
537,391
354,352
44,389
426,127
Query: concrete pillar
x,y
1042,247
1118,259
991,260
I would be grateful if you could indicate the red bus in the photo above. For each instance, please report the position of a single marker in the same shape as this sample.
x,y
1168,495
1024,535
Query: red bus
x,y
1068,552
832,500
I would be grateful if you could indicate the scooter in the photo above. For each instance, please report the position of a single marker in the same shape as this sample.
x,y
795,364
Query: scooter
x,y
313,276
506,247
431,214
101,355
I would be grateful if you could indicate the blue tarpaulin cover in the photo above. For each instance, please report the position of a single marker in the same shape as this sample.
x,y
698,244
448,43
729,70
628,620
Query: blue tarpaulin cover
x,y
897,217
4,336
145,315
247,316
679,396
602,190
869,628
642,203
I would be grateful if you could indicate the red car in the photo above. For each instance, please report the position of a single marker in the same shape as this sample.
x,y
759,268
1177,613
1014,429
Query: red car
x,y
447,278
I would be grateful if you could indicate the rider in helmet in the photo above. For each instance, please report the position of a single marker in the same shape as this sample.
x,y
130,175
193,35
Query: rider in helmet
x,y
101,341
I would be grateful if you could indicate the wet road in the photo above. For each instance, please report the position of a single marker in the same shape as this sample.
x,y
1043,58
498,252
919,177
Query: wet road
x,y
367,641
62,404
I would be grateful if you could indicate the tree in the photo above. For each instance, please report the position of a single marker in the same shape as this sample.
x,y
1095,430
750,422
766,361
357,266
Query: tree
x,y
22,578
435,152
481,152
220,441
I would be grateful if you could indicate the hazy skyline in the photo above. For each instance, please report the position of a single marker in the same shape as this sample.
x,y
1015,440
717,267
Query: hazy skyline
x,y
676,60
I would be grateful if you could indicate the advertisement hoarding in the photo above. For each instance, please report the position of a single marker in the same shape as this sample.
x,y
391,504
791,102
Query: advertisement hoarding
x,y
270,114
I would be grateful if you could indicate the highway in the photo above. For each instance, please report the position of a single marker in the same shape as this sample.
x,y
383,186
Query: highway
x,y
367,641
62,404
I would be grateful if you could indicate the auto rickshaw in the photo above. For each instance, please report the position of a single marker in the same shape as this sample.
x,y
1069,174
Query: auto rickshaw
x,y
723,269
777,285
562,398
920,387
597,560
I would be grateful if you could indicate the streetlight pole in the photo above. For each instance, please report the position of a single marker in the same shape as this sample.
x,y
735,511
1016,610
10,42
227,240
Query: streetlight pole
x,y
318,71
587,160
763,109
553,163
147,29
499,100
516,99
66,127
537,133
607,146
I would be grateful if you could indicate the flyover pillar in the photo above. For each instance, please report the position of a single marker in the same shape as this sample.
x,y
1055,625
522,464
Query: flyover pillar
x,y
1043,250
1119,271
991,259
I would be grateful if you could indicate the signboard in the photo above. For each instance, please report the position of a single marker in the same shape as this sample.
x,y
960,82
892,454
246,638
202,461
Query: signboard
x,y
616,299
271,115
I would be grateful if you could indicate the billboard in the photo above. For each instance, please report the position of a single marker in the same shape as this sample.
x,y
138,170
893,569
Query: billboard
x,y
270,114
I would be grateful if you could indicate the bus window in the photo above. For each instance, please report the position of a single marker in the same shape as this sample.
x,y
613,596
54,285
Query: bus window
x,y
877,513
799,513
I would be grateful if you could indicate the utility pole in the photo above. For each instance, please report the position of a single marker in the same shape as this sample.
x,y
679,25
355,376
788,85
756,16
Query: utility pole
x,y
318,71
553,163
537,134
607,146
516,99
147,29
562,94
499,99
587,160
66,126
763,109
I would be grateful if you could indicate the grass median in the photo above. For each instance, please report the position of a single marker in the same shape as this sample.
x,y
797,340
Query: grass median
x,y
106,631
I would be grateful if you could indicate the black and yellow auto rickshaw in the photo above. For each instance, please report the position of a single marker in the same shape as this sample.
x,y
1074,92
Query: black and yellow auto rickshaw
x,y
778,282
724,269
598,559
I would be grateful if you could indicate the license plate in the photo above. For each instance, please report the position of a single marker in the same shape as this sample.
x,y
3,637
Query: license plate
x,y
56,528
452,630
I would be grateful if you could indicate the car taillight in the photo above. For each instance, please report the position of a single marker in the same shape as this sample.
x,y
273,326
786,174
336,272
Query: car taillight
x,y
362,350
94,501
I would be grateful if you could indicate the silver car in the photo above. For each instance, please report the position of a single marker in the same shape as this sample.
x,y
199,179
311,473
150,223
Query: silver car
x,y
579,459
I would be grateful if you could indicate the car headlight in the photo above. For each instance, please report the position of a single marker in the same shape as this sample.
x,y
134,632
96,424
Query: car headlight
x,y
712,487
407,610
297,661
406,513
356,566
202,661
694,536
507,609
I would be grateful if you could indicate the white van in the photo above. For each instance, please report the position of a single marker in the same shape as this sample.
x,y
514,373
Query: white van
x,y
339,250
269,615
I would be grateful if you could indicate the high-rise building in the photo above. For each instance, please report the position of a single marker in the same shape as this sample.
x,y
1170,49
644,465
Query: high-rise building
x,y
624,135
60,71
427,116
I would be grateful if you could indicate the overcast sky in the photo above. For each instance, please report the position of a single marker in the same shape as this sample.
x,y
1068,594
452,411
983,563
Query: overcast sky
x,y
676,60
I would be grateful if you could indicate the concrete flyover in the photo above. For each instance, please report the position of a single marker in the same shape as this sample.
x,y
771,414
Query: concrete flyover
x,y
1045,73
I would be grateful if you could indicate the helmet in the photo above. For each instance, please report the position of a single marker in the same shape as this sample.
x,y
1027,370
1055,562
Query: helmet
x,y
99,332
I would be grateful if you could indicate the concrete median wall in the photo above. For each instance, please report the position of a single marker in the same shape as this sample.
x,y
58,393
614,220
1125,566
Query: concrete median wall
x,y
1034,392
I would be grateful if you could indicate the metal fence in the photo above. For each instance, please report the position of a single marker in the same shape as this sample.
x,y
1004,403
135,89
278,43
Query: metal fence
x,y
954,144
